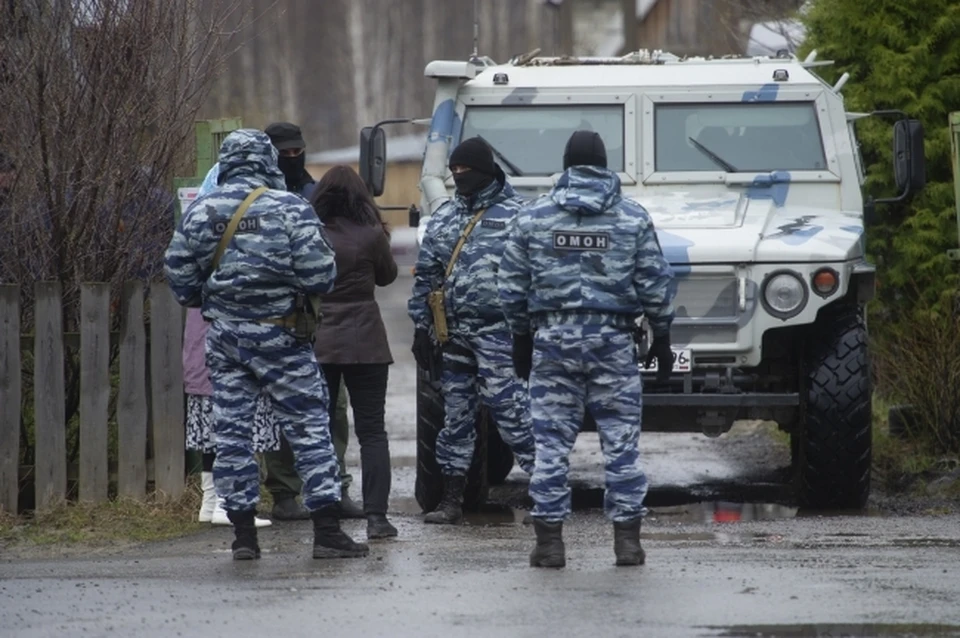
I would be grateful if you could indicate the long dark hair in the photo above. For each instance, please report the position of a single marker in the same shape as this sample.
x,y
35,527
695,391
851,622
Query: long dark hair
x,y
341,193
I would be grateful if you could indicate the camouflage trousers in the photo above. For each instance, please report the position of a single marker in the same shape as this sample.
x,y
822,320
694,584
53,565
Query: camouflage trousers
x,y
578,368
480,369
244,357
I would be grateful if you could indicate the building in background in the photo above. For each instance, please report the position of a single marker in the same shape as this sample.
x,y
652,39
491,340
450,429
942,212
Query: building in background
x,y
711,27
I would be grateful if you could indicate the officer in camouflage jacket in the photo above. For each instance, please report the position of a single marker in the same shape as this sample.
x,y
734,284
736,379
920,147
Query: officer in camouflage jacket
x,y
581,265
476,359
278,251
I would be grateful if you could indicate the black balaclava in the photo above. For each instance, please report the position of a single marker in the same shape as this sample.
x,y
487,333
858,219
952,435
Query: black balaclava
x,y
476,155
585,148
294,170
285,136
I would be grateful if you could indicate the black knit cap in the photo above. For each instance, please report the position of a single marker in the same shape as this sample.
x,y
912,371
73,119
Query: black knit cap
x,y
585,148
474,153
285,135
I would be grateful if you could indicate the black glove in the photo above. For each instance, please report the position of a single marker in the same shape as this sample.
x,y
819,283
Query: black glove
x,y
422,348
523,355
660,350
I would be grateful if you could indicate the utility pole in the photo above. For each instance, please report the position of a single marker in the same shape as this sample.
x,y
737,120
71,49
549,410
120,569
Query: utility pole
x,y
566,27
629,11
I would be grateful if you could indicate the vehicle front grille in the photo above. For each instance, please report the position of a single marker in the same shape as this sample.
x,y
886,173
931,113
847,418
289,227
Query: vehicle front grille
x,y
707,308
706,296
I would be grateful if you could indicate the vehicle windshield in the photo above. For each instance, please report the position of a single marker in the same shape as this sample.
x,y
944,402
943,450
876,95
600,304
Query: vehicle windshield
x,y
530,139
740,138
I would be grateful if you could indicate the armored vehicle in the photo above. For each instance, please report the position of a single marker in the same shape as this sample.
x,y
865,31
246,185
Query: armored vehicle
x,y
751,171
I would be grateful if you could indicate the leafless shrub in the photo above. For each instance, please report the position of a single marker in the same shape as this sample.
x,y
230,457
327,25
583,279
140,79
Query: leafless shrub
x,y
917,363
97,107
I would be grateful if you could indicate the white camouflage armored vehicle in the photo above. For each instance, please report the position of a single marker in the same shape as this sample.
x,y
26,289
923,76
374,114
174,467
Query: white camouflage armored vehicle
x,y
750,170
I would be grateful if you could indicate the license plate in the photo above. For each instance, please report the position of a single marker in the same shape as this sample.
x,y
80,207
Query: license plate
x,y
681,362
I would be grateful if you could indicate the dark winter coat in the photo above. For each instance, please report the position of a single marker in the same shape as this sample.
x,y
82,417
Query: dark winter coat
x,y
352,329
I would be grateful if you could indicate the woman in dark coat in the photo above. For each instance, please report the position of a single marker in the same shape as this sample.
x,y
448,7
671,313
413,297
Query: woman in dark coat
x,y
351,342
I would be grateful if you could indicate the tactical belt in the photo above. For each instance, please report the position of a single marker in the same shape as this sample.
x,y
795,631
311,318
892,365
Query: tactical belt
x,y
582,317
289,322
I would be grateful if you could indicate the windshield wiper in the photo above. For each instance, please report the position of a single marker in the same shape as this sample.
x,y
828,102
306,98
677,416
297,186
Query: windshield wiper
x,y
722,163
500,156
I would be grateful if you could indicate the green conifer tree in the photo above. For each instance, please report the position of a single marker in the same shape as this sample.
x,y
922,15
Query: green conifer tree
x,y
901,54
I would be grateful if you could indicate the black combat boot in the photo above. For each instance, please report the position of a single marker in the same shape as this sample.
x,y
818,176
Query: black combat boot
x,y
245,546
549,551
329,541
450,509
626,543
288,509
348,507
379,527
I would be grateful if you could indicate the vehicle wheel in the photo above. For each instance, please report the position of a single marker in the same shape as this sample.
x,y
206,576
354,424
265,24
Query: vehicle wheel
x,y
835,445
499,456
428,488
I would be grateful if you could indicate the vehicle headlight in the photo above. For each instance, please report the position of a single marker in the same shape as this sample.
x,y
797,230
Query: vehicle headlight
x,y
784,294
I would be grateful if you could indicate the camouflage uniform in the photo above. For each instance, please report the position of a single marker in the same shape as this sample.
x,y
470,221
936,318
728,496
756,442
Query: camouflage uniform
x,y
581,264
279,251
476,360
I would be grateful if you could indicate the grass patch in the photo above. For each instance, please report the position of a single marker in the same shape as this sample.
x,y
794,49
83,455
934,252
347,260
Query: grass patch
x,y
119,521
115,522
906,464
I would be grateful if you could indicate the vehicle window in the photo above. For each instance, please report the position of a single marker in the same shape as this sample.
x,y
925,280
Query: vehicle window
x,y
532,138
743,138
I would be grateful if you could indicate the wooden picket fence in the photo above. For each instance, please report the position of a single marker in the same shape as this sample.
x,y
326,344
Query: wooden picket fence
x,y
163,351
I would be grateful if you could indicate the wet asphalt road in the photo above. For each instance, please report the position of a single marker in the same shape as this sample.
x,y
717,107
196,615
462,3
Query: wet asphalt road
x,y
714,568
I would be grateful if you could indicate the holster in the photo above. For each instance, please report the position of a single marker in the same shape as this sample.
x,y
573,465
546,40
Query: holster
x,y
303,322
439,311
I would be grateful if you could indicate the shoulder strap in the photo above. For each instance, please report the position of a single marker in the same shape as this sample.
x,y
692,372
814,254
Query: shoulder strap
x,y
463,239
232,226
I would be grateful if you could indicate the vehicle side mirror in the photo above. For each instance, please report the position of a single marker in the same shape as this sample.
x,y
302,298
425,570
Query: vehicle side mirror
x,y
909,165
373,158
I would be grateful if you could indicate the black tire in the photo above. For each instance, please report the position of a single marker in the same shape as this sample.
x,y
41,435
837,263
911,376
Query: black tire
x,y
499,456
428,488
836,433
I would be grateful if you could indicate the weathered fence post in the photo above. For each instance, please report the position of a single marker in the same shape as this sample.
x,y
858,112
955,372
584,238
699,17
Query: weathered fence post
x,y
94,390
166,379
132,396
49,397
9,397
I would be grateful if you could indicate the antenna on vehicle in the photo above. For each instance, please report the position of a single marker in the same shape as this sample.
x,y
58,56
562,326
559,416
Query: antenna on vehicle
x,y
476,28
839,85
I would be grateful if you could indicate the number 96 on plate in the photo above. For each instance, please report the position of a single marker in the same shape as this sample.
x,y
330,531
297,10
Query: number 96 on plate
x,y
681,362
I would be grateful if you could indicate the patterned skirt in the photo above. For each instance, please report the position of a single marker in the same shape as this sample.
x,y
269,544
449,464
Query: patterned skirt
x,y
200,434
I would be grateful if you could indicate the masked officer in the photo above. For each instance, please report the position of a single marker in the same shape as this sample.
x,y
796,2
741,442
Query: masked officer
x,y
251,288
475,339
581,265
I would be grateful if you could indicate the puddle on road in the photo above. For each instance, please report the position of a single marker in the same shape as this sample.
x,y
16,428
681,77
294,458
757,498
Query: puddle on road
x,y
926,542
705,512
838,630
721,512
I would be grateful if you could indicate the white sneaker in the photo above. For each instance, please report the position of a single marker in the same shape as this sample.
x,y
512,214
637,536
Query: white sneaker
x,y
220,517
209,502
